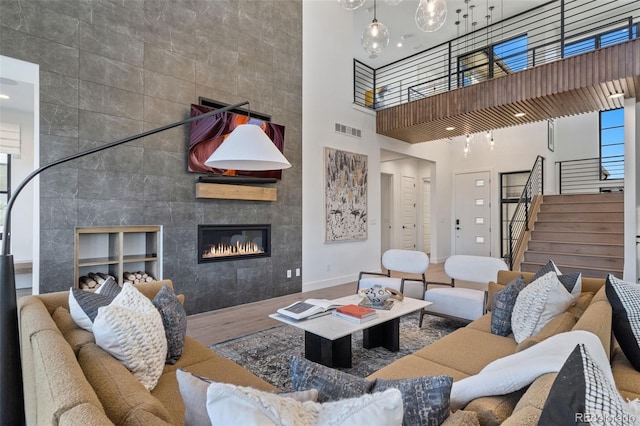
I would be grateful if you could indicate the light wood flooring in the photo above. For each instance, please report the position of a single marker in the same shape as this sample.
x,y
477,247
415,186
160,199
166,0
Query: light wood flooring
x,y
228,323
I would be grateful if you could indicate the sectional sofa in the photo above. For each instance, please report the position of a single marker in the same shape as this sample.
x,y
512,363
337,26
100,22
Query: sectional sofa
x,y
69,380
466,351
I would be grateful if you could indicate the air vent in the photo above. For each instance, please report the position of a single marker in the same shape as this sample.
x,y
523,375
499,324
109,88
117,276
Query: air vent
x,y
349,131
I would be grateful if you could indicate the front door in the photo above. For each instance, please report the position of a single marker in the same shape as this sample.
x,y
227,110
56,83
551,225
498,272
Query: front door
x,y
408,212
473,214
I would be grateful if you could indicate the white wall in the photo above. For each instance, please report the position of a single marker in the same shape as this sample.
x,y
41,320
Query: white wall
x,y
327,99
21,224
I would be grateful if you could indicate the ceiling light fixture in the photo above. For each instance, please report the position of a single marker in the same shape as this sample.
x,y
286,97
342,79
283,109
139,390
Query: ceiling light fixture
x,y
431,15
450,128
3,96
375,37
519,114
351,4
616,95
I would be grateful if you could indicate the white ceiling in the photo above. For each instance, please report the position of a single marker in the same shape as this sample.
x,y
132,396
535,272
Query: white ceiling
x,y
20,95
400,21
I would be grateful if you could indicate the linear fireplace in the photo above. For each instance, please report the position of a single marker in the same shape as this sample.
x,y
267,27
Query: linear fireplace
x,y
218,243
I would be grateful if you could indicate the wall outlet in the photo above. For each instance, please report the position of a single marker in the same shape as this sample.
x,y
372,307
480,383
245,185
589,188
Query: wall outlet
x,y
288,273
297,272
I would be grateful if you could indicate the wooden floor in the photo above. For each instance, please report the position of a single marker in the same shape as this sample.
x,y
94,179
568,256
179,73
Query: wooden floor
x,y
229,323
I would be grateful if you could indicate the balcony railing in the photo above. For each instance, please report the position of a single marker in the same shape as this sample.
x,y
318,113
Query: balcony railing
x,y
555,30
589,175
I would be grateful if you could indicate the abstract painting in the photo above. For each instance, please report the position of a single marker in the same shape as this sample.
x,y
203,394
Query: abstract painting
x,y
345,196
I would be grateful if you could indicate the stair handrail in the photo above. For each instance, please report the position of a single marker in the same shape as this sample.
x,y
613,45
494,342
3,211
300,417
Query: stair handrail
x,y
524,214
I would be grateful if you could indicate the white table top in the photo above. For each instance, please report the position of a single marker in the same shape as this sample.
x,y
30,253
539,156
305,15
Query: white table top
x,y
333,328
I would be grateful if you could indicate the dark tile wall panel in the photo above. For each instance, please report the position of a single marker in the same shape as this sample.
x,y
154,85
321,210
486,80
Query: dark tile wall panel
x,y
113,69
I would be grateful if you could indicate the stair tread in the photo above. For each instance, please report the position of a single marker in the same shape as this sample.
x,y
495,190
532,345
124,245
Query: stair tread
x,y
573,254
566,265
581,243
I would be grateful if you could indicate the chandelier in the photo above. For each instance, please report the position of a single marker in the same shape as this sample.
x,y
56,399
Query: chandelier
x,y
375,37
431,15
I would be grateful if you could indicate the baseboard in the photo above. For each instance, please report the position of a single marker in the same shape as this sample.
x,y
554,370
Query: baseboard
x,y
317,285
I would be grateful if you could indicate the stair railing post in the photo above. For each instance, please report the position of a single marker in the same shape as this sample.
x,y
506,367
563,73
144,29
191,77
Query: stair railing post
x,y
526,207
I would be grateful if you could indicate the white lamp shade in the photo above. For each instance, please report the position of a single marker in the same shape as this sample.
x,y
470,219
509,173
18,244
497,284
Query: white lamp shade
x,y
248,148
10,138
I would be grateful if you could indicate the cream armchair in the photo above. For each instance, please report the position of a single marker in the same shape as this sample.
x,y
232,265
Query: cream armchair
x,y
403,261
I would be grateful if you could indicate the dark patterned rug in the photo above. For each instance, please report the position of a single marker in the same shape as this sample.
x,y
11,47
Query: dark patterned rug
x,y
266,353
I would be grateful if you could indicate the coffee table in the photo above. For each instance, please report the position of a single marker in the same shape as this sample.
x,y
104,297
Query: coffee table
x,y
327,339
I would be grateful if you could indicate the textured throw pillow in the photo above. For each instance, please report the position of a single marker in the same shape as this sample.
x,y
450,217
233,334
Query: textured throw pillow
x,y
537,304
131,330
550,266
585,393
109,288
425,399
193,389
331,384
174,319
83,306
230,404
625,302
502,306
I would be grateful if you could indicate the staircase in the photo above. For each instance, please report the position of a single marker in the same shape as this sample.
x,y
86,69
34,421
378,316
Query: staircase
x,y
580,233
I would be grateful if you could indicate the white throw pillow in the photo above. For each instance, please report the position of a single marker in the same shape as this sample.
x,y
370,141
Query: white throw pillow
x,y
230,404
537,304
131,330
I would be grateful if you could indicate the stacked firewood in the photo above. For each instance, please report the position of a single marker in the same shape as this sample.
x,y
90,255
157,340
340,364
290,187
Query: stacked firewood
x,y
92,281
137,277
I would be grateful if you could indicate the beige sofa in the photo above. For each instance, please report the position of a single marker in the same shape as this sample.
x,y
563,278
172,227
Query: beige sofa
x,y
467,350
69,380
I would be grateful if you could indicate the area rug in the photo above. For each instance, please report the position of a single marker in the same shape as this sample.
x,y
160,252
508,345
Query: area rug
x,y
266,353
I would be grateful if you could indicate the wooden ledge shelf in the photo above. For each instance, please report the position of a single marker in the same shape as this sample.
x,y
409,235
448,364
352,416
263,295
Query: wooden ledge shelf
x,y
235,192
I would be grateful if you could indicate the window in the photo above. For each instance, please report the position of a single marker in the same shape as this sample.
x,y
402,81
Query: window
x,y
5,184
493,61
600,40
612,144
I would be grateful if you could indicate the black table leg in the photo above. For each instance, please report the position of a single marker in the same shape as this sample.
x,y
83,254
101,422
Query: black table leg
x,y
386,335
332,353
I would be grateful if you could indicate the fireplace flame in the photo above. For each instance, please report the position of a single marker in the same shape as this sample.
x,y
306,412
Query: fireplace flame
x,y
222,250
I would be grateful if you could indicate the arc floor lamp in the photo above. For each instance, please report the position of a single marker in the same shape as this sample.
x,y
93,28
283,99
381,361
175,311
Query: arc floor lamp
x,y
247,148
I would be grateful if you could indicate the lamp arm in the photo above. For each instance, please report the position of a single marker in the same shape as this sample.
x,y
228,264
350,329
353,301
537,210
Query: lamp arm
x,y
7,214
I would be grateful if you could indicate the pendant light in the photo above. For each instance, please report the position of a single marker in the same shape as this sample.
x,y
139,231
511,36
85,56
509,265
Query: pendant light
x,y
431,14
375,37
351,4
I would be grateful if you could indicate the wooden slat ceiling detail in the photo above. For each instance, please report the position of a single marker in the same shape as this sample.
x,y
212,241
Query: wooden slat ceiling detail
x,y
561,88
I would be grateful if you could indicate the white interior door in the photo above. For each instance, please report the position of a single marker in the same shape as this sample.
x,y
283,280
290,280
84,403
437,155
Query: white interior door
x,y
426,216
386,201
408,188
473,214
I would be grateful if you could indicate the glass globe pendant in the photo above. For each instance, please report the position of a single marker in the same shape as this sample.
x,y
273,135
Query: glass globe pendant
x,y
351,4
431,14
375,37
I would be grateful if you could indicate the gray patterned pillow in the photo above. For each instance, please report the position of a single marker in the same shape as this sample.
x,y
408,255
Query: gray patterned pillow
x,y
425,399
544,270
331,384
174,319
502,306
569,281
83,306
109,288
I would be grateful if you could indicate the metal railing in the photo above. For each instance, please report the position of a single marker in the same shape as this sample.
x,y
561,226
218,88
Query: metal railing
x,y
554,30
591,175
519,223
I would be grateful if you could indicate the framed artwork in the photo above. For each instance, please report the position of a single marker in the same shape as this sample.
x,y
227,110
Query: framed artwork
x,y
550,136
345,195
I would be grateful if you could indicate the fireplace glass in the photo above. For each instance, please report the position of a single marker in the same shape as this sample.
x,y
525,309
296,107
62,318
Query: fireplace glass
x,y
218,243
